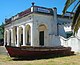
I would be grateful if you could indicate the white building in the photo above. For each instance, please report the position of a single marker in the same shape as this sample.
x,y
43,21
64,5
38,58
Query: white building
x,y
38,26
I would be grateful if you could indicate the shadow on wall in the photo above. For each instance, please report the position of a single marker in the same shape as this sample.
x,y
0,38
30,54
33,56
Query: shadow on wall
x,y
55,41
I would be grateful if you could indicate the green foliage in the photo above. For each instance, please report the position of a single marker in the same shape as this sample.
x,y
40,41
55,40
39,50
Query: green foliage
x,y
76,18
2,31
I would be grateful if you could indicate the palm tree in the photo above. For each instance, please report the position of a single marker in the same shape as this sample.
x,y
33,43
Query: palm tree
x,y
76,17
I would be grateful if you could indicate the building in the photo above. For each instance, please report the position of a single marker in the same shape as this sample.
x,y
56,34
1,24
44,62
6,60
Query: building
x,y
37,26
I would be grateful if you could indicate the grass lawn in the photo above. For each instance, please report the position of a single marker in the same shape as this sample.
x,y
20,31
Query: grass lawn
x,y
68,60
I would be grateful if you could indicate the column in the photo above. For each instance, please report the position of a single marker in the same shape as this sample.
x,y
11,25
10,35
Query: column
x,y
18,37
5,38
31,35
24,36
8,37
12,37
15,36
54,22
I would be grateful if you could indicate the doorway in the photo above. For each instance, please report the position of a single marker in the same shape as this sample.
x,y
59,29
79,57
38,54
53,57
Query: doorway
x,y
41,38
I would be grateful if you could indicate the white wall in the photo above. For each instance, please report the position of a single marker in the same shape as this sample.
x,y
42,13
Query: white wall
x,y
72,42
78,33
75,45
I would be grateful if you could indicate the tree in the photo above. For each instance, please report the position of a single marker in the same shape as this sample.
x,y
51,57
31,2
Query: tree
x,y
2,28
2,31
1,34
76,17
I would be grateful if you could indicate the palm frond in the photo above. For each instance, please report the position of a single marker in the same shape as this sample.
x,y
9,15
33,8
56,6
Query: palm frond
x,y
67,4
76,20
76,15
75,6
77,25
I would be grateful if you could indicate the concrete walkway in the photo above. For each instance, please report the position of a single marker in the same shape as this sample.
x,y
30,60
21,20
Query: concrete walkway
x,y
3,50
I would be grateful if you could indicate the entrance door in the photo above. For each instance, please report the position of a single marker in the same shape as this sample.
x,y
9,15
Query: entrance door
x,y
41,38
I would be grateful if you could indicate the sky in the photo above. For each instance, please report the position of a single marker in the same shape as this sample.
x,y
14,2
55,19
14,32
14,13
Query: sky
x,y
9,8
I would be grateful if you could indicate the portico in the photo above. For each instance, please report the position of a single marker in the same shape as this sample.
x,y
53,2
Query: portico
x,y
19,35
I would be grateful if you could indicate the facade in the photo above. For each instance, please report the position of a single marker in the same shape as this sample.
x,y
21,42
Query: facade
x,y
37,26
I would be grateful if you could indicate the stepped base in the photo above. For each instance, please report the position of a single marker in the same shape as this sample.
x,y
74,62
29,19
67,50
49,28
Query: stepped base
x,y
37,51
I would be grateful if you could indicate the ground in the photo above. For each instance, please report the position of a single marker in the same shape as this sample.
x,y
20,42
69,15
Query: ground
x,y
68,60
